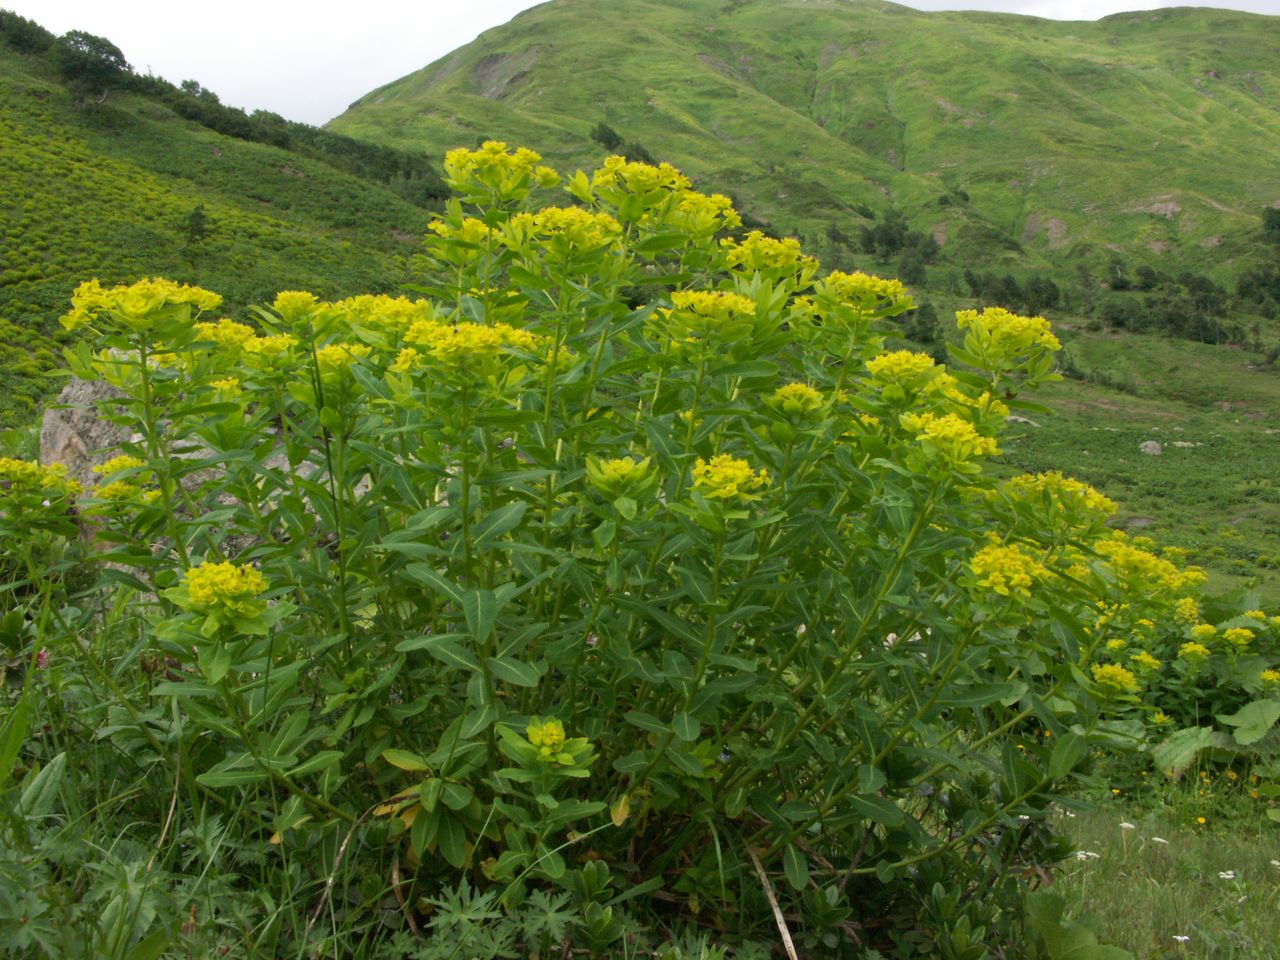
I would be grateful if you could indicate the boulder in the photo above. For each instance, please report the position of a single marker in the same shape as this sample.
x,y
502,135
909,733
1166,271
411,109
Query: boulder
x,y
1151,448
73,433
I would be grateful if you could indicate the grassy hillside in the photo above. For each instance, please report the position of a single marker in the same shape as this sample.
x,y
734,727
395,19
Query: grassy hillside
x,y
1154,134
110,193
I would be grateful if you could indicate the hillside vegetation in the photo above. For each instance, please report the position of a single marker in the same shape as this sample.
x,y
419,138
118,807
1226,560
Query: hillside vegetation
x,y
1013,140
130,189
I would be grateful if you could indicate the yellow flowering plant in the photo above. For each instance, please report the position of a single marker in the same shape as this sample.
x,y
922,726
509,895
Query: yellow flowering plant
x,y
619,525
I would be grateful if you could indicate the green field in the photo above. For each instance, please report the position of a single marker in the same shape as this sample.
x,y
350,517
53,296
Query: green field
x,y
109,193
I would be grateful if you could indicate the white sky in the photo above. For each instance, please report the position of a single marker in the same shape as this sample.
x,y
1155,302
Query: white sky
x,y
308,61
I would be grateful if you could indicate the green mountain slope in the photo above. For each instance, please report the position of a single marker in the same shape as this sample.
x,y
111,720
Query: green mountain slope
x,y
1155,134
110,193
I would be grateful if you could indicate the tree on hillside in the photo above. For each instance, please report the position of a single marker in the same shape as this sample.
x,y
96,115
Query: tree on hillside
x,y
606,136
23,35
1271,224
89,65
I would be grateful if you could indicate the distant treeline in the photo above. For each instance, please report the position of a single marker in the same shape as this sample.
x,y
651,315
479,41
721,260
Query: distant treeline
x,y
92,65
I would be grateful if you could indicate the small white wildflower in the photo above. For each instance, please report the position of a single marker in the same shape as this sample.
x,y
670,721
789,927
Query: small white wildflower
x,y
1126,825
1087,855
1227,875
1275,863
801,630
1023,816
1070,814
1160,840
1180,938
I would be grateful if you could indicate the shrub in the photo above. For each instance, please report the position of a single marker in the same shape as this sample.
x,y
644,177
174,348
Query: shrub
x,y
628,559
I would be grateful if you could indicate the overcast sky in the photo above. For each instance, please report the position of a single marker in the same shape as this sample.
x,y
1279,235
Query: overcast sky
x,y
308,61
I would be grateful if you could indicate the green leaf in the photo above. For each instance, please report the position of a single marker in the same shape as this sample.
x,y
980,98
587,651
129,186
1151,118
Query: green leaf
x,y
1178,751
626,507
38,795
1253,720
445,648
15,732
425,574
1069,750
405,760
796,867
876,808
452,838
686,727
480,607
503,520
980,695
645,721
514,671
323,759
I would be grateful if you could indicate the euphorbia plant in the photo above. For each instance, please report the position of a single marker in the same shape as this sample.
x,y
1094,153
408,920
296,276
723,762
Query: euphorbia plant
x,y
633,541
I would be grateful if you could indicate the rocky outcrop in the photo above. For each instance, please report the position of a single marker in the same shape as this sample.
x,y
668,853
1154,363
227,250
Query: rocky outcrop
x,y
75,434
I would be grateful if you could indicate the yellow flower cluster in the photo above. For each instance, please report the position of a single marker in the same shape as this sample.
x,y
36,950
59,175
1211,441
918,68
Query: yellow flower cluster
x,y
294,305
797,399
120,491
223,583
1142,570
578,228
227,386
1239,637
639,178
757,251
509,173
902,367
225,333
728,478
381,312
1113,678
1204,631
1270,678
462,343
700,213
468,230
1186,610
136,304
715,304
1259,615
701,315
336,358
1194,653
1007,570
1067,491
1144,661
864,290
19,477
118,465
1004,335
547,736
620,476
955,438
272,351
1117,645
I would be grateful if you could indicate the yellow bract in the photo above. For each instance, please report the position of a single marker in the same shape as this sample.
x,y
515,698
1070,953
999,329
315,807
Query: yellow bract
x,y
1067,491
901,367
797,399
954,438
1113,678
1194,653
617,172
138,305
225,333
727,478
223,582
19,477
119,464
756,251
1007,570
1003,336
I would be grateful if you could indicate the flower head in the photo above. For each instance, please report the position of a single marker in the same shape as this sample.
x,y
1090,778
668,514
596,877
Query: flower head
x,y
1113,678
1007,570
727,478
222,583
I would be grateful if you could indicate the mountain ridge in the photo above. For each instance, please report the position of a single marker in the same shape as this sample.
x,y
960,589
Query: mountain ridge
x,y
806,111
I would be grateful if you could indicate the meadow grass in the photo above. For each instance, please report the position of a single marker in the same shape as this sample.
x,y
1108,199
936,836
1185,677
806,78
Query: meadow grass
x,y
1145,876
